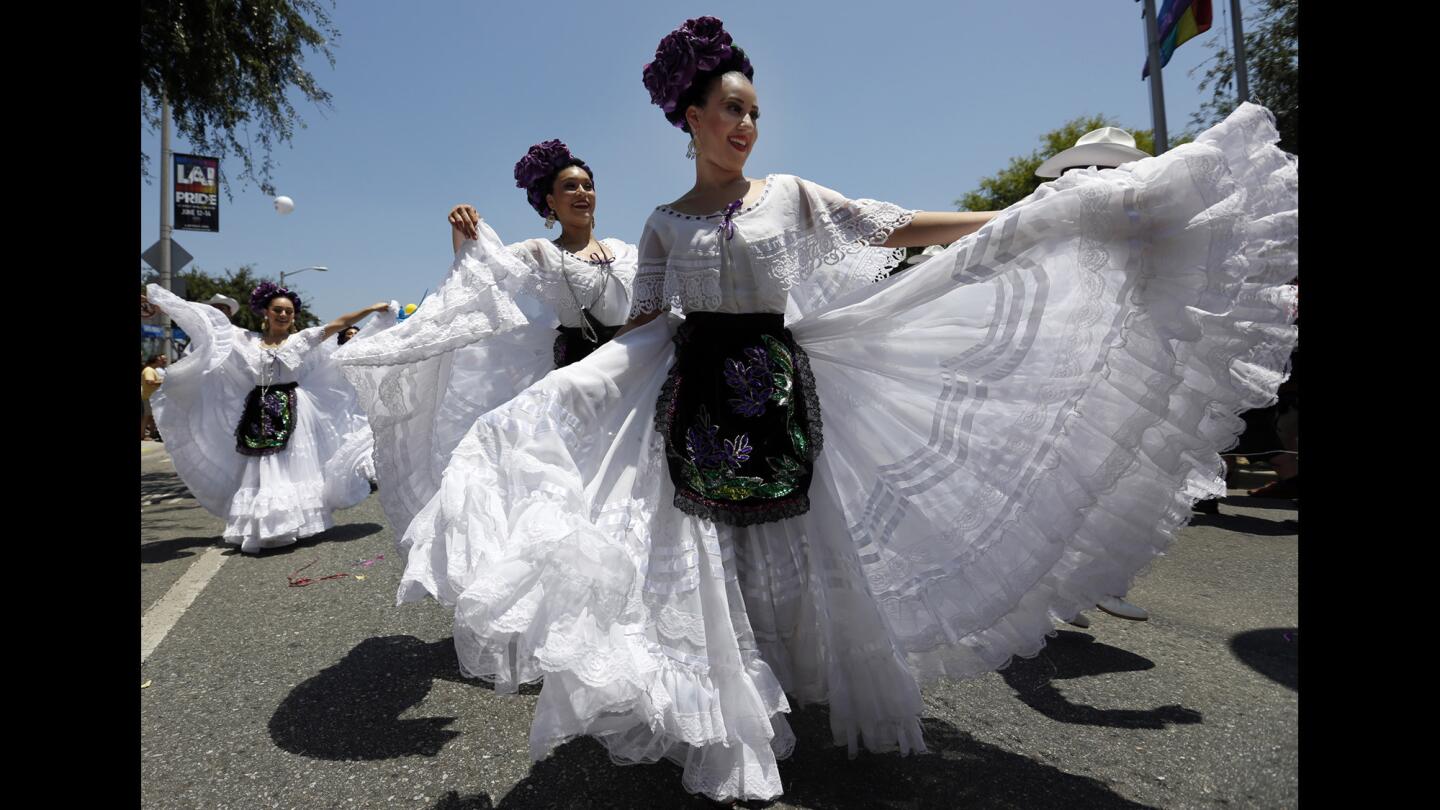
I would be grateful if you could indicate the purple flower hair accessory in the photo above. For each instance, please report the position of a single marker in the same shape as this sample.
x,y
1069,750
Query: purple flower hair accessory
x,y
699,45
535,171
262,295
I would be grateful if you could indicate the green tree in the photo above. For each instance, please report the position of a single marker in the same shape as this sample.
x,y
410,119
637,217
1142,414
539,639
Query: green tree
x,y
237,284
227,68
1272,66
1017,181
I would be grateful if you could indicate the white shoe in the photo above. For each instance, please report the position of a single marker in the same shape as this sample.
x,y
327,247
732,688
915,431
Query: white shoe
x,y
1080,621
1118,607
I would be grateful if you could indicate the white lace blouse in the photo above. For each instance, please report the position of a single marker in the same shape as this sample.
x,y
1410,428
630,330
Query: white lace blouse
x,y
601,287
798,239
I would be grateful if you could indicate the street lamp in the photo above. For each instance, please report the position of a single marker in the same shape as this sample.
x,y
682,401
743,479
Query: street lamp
x,y
301,270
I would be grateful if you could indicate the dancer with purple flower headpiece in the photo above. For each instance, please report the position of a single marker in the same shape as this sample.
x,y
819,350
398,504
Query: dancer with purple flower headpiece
x,y
470,348
261,426
670,536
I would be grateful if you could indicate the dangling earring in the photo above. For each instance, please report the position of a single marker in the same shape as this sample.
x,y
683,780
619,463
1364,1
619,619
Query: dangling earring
x,y
550,220
691,151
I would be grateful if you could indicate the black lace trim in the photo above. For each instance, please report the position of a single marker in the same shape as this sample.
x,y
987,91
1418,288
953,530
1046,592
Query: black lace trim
x,y
805,381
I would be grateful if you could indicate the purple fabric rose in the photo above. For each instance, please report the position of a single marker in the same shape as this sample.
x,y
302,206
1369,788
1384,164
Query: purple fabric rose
x,y
262,295
671,72
534,171
710,41
698,46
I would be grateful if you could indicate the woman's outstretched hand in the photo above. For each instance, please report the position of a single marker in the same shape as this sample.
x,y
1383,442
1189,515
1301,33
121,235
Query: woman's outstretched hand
x,y
465,220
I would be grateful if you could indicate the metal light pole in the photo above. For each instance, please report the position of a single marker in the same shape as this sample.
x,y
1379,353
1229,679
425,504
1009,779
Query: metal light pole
x,y
1157,89
165,229
301,270
1242,78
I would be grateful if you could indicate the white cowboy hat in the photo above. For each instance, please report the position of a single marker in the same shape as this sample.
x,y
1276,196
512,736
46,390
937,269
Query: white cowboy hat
x,y
1106,148
924,254
230,304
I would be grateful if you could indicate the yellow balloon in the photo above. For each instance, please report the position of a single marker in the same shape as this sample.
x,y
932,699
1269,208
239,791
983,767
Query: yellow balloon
x,y
410,309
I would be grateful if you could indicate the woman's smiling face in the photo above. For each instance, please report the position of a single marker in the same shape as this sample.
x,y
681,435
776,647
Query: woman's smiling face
x,y
727,126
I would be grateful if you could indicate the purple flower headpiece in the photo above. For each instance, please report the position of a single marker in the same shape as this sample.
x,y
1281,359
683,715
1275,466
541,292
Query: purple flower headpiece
x,y
698,47
536,171
261,296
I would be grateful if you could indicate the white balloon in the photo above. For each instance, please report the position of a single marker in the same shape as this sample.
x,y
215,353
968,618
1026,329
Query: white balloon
x,y
284,205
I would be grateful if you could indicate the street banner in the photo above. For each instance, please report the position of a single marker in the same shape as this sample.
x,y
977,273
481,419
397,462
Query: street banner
x,y
197,193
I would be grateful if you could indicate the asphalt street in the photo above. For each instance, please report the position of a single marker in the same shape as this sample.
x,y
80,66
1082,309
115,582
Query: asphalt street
x,y
259,694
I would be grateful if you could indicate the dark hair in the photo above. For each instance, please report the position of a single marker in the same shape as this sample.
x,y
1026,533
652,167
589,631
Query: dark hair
x,y
344,334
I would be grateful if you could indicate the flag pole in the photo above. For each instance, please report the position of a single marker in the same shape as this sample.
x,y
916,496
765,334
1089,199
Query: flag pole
x,y
1157,89
1242,77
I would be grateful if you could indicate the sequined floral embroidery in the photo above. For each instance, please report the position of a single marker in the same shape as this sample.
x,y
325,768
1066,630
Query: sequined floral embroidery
x,y
764,375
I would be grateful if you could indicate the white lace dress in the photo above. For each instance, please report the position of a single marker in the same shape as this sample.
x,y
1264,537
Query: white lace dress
x,y
1014,427
486,333
270,500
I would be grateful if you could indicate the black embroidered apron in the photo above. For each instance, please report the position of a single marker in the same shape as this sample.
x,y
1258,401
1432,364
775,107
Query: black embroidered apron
x,y
740,418
268,421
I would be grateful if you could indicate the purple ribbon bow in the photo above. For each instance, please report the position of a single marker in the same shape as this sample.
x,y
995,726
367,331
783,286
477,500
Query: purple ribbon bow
x,y
606,261
727,227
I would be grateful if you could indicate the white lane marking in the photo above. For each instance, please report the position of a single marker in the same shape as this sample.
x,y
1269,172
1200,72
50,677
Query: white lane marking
x,y
163,615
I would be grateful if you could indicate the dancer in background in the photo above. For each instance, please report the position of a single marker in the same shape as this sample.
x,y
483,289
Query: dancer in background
x,y
424,382
254,420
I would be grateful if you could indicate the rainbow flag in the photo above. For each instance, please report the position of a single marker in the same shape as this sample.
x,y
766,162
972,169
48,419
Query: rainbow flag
x,y
1179,22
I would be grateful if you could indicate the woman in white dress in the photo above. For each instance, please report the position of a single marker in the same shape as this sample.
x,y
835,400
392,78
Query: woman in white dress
x,y
256,422
503,317
667,534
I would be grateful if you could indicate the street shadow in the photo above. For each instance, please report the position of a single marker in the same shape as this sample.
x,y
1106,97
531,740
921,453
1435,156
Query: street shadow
x,y
338,534
1072,655
160,486
1287,504
159,551
1273,652
958,771
351,710
1247,524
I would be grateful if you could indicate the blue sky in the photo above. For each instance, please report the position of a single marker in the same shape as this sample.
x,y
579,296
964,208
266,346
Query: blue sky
x,y
911,102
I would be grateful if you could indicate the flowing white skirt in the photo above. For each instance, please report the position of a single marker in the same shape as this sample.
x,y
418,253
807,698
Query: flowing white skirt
x,y
1012,429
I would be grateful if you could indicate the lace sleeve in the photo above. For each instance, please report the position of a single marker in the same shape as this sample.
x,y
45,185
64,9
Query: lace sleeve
x,y
211,333
649,292
834,246
525,275
467,306
300,345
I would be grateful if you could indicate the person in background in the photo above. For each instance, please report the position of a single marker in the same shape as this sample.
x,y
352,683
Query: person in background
x,y
225,304
151,378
